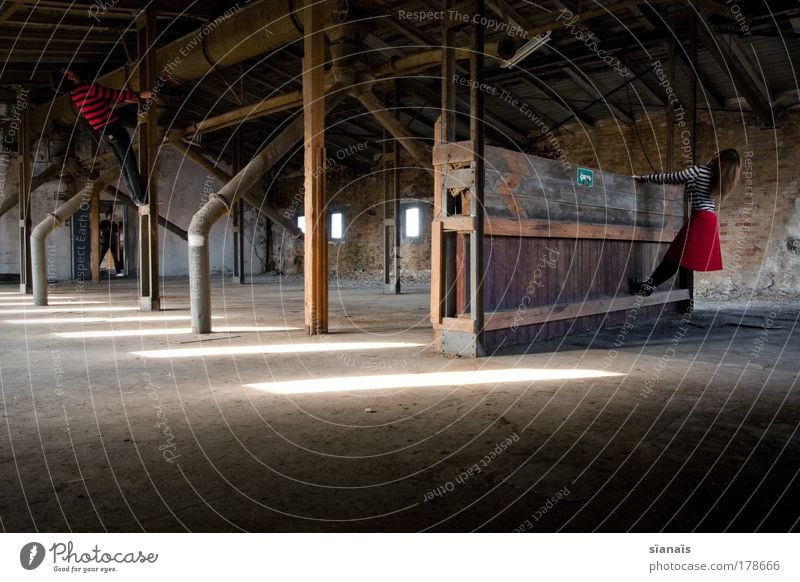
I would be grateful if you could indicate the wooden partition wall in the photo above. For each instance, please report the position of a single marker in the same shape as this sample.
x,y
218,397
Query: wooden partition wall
x,y
557,254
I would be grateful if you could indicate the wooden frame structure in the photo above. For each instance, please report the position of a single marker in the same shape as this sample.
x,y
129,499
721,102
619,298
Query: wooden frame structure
x,y
557,254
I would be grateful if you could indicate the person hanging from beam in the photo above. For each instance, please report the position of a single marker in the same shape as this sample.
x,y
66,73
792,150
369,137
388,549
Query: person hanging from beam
x,y
96,104
696,245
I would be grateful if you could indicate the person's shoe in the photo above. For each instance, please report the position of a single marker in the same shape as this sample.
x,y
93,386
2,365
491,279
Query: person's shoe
x,y
643,288
120,274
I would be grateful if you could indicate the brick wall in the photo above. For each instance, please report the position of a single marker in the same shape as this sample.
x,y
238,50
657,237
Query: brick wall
x,y
360,199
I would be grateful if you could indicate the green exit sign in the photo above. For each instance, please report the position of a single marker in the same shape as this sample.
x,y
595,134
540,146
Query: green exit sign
x,y
585,177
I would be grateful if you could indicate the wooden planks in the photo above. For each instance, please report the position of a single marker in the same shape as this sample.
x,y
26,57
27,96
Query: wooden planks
x,y
555,312
553,229
639,196
459,223
462,324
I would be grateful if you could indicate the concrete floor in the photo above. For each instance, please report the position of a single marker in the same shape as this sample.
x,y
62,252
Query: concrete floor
x,y
697,432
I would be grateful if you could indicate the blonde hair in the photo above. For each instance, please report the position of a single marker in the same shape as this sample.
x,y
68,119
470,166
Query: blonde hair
x,y
725,168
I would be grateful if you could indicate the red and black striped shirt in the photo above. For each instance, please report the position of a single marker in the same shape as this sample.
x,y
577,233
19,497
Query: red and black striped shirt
x,y
96,103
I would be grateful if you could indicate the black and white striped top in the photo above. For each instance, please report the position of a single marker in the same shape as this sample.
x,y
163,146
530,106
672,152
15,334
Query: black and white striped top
x,y
698,184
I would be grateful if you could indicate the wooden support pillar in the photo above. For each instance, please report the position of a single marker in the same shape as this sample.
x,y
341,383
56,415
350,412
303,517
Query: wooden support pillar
x,y
685,276
477,131
94,233
316,236
447,204
459,234
670,146
149,296
387,219
24,174
396,211
437,248
238,215
391,219
443,243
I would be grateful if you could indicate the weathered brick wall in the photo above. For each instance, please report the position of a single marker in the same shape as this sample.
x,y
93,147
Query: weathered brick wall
x,y
360,199
760,220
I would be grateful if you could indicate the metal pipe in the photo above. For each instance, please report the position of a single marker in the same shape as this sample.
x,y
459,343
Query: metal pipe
x,y
221,202
10,201
170,226
54,220
252,197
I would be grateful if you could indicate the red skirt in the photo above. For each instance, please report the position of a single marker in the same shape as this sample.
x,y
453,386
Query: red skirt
x,y
697,245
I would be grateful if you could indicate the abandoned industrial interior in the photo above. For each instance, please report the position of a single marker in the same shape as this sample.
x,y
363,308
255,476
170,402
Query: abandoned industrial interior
x,y
383,266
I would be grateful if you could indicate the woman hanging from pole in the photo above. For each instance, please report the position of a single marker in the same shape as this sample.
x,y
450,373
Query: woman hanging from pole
x,y
696,246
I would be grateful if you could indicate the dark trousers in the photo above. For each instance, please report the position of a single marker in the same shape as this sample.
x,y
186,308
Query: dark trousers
x,y
117,137
663,272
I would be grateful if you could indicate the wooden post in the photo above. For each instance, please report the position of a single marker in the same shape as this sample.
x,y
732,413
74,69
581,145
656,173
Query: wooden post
x,y
447,204
94,233
476,273
671,103
437,249
395,287
387,220
316,237
238,213
24,174
685,276
149,296
238,216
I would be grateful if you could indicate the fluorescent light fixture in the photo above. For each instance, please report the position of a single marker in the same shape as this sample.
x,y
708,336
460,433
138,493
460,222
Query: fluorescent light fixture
x,y
527,49
276,349
456,378
161,331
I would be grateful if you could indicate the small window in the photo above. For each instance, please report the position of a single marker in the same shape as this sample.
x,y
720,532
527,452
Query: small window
x,y
413,223
301,224
337,226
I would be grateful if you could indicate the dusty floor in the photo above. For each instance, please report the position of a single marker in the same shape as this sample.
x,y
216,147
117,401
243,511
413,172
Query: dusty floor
x,y
698,431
